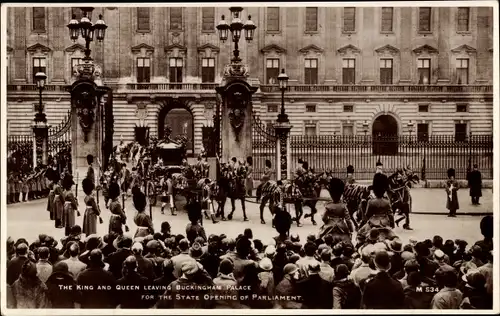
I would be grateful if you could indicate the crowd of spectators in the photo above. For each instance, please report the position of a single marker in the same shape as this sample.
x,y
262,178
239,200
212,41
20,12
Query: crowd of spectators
x,y
171,271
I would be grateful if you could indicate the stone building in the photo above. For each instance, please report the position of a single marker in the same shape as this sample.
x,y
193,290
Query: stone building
x,y
352,70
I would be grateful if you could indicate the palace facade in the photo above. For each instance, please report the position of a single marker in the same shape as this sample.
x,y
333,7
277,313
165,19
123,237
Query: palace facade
x,y
353,70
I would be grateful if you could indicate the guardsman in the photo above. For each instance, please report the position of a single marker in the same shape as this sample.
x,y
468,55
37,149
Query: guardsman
x,y
265,178
90,170
300,169
350,175
206,202
451,193
380,167
475,185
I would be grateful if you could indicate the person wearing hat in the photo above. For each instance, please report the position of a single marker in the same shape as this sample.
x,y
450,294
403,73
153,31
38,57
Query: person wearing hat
x,y
282,222
449,297
315,291
379,167
475,185
346,294
91,242
145,266
451,193
70,204
141,219
28,291
265,178
194,228
475,293
123,244
92,210
289,286
90,171
382,291
350,175
96,276
58,202
300,171
14,266
184,286
61,285
378,212
182,257
249,177
395,248
336,218
196,251
118,217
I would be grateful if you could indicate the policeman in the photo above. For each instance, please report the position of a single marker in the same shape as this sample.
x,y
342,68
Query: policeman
x,y
350,175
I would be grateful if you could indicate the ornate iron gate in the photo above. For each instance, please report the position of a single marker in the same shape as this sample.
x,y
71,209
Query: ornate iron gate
x,y
59,144
263,146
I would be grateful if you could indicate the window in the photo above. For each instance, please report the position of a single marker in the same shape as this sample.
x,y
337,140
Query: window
x,y
39,19
77,12
311,71
424,19
424,71
310,129
460,132
463,20
75,62
423,107
272,70
422,132
311,19
311,108
387,16
143,19
175,69
273,19
208,19
386,71
349,20
176,18
143,70
39,65
462,71
272,108
347,129
208,70
348,108
462,107
348,71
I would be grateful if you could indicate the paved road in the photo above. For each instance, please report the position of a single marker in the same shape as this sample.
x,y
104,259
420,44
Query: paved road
x,y
31,218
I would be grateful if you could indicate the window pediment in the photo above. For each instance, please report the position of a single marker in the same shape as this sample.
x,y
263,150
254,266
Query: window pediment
x,y
464,48
273,48
387,50
425,49
211,47
38,48
311,48
349,50
74,48
173,47
142,47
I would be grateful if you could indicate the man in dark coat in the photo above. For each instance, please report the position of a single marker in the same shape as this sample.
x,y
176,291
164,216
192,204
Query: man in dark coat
x,y
475,185
14,266
128,296
95,276
117,258
62,290
316,292
382,291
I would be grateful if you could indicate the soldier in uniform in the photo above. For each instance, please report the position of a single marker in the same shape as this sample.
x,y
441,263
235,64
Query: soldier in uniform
x,y
58,204
265,178
206,202
118,217
451,193
249,178
168,193
70,205
300,169
380,167
90,170
475,185
350,175
92,211
141,219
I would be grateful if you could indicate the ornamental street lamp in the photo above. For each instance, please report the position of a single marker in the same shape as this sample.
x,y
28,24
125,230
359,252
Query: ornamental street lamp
x,y
283,82
87,29
235,27
40,84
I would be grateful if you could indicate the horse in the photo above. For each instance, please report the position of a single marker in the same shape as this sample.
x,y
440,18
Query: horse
x,y
309,186
355,198
237,190
274,195
399,194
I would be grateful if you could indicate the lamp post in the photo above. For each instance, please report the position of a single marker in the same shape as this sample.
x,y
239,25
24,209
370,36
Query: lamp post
x,y
87,30
40,127
235,27
283,82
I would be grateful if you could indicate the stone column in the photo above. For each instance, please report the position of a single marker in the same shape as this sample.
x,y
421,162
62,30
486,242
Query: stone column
x,y
283,162
41,139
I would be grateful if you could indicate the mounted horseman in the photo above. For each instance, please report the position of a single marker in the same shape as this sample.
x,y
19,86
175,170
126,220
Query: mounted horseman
x,y
309,186
399,194
237,189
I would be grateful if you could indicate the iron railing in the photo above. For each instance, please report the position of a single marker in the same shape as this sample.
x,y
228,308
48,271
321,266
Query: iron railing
x,y
431,157
263,146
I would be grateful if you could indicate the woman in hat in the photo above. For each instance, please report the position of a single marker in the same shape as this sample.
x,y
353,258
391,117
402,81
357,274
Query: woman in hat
x,y
58,203
451,193
118,217
141,219
70,204
92,211
378,212
249,179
